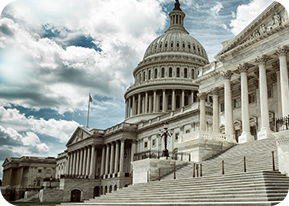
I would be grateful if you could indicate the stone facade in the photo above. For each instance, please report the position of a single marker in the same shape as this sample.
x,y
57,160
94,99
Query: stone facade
x,y
26,173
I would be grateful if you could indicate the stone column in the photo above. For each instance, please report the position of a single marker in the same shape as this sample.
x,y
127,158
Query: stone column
x,y
139,105
74,163
106,160
192,96
143,104
183,97
281,52
77,163
92,163
215,92
84,161
111,168
102,161
126,109
133,150
174,100
121,171
116,161
229,129
203,97
146,103
133,106
80,162
164,100
155,101
70,157
265,131
246,135
129,107
88,162
277,67
150,104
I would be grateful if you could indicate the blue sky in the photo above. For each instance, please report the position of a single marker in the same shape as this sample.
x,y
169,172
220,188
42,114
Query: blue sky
x,y
53,53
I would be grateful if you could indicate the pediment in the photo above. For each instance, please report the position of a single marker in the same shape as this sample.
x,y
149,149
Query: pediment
x,y
271,20
79,134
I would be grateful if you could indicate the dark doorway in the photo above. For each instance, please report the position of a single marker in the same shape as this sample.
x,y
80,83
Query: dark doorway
x,y
75,195
96,191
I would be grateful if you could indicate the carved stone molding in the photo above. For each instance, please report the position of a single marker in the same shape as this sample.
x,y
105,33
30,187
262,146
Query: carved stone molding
x,y
215,91
202,96
281,51
243,67
227,74
261,59
283,141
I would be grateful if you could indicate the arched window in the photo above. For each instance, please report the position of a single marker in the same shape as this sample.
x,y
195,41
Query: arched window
x,y
115,187
161,45
193,74
185,73
149,74
75,195
177,19
170,72
178,44
186,100
177,101
163,72
172,44
110,189
184,45
166,45
189,46
178,72
96,191
194,47
170,102
156,73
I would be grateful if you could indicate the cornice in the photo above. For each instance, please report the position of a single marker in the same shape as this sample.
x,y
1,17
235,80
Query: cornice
x,y
206,76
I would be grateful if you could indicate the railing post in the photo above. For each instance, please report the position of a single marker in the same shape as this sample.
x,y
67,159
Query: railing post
x,y
201,171
194,165
273,161
175,172
244,163
223,169
159,174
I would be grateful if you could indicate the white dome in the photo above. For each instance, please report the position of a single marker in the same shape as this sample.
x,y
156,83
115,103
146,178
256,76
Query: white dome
x,y
176,40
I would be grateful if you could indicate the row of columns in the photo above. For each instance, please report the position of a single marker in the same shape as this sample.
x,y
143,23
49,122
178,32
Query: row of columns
x,y
151,102
112,162
265,130
82,162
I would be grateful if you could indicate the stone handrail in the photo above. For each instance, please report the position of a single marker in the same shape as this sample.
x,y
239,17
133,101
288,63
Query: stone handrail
x,y
219,137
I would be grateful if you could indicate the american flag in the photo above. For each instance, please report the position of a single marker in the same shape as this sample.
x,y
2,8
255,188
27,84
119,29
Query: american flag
x,y
90,98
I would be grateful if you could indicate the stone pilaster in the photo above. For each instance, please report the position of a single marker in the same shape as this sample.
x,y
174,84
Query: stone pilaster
x,y
121,169
215,93
116,161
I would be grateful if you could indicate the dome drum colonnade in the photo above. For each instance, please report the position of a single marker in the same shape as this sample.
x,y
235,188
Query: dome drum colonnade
x,y
164,79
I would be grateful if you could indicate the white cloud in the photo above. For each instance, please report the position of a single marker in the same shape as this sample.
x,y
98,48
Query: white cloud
x,y
216,9
45,66
59,129
246,13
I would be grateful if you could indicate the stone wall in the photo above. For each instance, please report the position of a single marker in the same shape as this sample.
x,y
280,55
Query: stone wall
x,y
50,195
282,139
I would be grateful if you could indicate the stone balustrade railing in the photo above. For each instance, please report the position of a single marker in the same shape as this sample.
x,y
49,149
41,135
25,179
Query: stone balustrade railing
x,y
205,135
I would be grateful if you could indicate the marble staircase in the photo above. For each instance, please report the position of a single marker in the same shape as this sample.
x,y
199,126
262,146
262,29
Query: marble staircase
x,y
259,185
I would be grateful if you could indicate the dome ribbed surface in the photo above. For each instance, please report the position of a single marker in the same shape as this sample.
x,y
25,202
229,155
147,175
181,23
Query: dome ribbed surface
x,y
176,41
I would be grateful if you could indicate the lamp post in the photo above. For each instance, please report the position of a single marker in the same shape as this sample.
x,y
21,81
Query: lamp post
x,y
50,181
165,133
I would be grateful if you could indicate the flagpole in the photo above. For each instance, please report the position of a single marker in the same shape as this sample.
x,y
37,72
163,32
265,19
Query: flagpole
x,y
88,110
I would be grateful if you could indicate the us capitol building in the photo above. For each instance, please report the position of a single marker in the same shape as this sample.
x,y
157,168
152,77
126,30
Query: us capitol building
x,y
209,107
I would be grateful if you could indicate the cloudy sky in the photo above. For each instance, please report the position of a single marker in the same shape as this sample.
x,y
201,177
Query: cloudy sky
x,y
53,53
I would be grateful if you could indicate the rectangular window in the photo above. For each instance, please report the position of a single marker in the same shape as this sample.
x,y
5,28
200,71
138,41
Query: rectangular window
x,y
146,145
176,136
38,183
154,142
39,170
269,91
251,97
237,102
222,107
